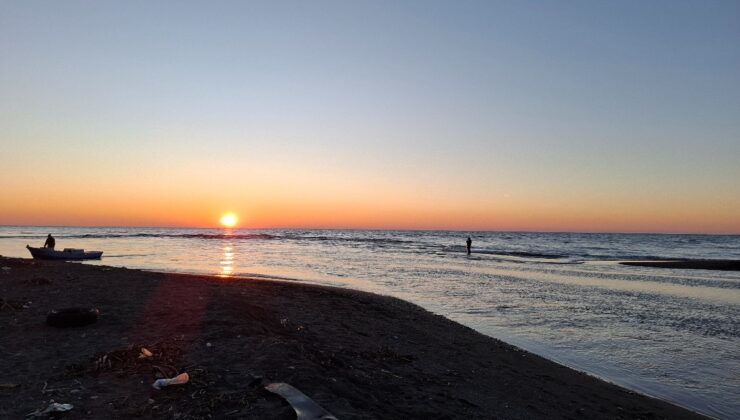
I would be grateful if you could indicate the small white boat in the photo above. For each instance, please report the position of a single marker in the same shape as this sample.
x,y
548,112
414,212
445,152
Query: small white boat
x,y
65,254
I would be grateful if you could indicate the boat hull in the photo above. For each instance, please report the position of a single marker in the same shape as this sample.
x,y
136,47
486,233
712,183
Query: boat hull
x,y
67,254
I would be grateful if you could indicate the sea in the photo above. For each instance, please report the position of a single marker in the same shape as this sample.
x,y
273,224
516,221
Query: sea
x,y
670,333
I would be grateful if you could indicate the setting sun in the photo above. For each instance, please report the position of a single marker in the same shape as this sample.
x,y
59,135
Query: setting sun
x,y
229,220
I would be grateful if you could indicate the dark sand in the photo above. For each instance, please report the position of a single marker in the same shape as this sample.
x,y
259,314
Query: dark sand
x,y
359,355
723,265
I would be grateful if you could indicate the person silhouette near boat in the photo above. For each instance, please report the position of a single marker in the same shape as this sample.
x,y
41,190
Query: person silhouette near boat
x,y
469,242
50,242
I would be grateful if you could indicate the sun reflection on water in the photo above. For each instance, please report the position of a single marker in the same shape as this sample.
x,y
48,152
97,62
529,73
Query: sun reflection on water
x,y
226,268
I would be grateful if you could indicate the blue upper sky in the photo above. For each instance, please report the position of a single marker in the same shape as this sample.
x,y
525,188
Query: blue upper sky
x,y
553,101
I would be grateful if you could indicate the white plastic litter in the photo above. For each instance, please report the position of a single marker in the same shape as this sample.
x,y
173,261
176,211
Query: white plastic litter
x,y
54,407
305,408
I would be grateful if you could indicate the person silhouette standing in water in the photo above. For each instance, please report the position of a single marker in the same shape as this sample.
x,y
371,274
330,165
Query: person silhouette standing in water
x,y
50,242
469,242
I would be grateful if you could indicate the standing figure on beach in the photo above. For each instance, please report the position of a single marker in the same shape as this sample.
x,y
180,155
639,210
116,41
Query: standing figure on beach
x,y
50,242
469,242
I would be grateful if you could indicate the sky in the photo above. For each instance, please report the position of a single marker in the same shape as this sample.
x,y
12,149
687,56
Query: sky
x,y
528,116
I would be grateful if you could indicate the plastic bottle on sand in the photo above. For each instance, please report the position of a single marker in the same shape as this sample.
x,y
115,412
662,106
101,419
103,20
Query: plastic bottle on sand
x,y
180,379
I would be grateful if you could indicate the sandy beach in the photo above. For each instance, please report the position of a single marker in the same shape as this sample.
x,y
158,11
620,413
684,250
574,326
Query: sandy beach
x,y
358,355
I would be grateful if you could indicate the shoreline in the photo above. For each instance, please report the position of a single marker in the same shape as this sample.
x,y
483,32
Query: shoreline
x,y
688,264
357,354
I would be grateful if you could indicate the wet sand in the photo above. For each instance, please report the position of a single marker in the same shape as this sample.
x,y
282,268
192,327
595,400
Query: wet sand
x,y
723,265
359,355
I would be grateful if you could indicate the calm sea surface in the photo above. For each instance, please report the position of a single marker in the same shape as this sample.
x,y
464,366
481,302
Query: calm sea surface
x,y
674,334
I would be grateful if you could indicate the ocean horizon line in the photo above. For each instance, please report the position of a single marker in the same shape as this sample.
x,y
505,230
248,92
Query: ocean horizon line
x,y
583,232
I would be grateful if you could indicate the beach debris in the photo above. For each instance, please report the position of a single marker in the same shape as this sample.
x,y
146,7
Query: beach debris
x,y
14,305
103,362
8,305
128,361
38,281
305,408
8,386
284,322
384,353
145,353
53,407
180,379
72,317
5,269
387,372
161,359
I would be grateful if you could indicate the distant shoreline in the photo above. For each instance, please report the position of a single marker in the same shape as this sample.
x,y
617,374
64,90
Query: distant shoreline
x,y
720,265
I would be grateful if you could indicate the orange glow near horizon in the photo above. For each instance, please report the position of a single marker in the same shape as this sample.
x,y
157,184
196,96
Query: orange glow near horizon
x,y
522,216
336,202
